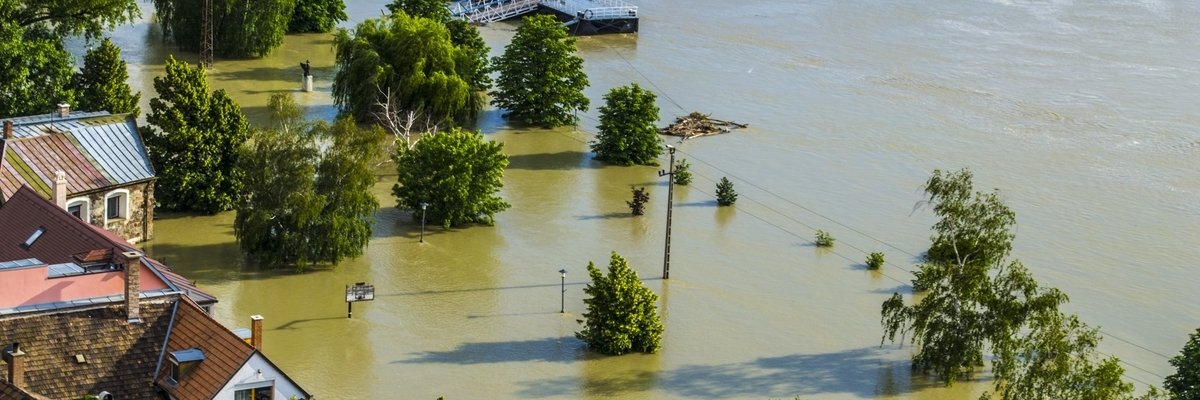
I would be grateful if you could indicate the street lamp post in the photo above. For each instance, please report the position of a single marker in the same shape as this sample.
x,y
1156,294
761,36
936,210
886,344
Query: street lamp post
x,y
670,174
563,297
423,207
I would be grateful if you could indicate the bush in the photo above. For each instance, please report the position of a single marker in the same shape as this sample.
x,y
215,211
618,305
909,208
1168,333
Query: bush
x,y
824,239
725,194
874,261
682,176
638,205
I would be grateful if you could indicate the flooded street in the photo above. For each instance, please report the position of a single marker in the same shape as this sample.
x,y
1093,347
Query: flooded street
x,y
1082,114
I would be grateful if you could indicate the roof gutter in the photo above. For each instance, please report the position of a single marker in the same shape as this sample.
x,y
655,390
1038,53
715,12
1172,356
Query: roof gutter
x,y
166,340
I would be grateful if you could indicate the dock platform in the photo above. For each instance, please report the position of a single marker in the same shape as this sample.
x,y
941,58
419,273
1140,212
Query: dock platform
x,y
581,17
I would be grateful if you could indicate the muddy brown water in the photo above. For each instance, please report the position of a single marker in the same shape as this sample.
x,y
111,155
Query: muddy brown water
x,y
1082,113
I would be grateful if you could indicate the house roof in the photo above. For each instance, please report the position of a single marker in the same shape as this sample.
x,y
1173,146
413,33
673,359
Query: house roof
x,y
131,361
95,152
224,354
65,236
119,357
33,125
10,392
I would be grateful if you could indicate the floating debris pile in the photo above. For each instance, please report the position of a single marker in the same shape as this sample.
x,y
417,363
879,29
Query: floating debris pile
x,y
697,124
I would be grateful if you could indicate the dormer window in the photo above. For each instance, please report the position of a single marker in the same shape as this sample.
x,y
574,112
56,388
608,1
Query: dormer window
x,y
34,237
183,362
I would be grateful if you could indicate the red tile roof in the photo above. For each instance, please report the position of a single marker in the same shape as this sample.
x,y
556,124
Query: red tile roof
x,y
224,354
66,236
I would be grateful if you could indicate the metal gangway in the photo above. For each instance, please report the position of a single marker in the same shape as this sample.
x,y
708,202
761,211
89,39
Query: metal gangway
x,y
487,11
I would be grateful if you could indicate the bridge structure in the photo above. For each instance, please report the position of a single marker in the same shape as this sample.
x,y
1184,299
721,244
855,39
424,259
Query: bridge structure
x,y
581,17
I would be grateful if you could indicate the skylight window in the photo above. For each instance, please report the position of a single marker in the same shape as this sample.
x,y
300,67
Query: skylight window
x,y
34,237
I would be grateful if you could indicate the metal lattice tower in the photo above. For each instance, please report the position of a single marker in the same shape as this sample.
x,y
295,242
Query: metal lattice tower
x,y
206,36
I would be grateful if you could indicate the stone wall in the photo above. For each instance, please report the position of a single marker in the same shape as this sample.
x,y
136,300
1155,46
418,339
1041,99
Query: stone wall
x,y
138,225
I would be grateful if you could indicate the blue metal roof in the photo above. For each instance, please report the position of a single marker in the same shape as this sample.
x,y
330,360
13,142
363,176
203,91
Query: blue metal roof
x,y
41,124
189,355
116,148
64,269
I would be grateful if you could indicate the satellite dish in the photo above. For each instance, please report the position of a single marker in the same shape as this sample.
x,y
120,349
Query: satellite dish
x,y
104,395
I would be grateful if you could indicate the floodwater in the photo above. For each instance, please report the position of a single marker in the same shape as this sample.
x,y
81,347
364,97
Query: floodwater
x,y
1082,113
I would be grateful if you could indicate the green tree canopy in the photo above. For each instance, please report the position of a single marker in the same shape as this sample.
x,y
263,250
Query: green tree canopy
x,y
407,62
316,15
621,315
456,172
541,79
302,206
628,134
66,18
1056,359
432,9
1184,384
194,141
101,85
978,299
35,70
240,28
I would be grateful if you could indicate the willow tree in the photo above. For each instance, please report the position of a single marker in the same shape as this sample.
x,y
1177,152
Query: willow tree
x,y
101,85
628,134
406,62
541,79
240,28
303,206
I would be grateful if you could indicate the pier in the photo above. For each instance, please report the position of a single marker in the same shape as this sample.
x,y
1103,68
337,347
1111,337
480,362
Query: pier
x,y
581,17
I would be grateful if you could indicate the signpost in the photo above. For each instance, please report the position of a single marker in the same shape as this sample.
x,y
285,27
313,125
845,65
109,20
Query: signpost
x,y
361,291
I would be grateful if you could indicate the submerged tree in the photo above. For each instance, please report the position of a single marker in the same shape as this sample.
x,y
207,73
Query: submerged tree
x,y
637,206
193,140
627,133
683,173
457,173
240,28
316,15
1184,384
621,315
541,79
409,61
101,84
975,300
726,196
303,206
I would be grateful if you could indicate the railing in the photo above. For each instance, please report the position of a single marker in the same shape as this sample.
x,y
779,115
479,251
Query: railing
x,y
610,13
485,11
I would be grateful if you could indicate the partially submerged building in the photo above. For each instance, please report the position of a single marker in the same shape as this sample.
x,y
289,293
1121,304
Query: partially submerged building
x,y
84,313
92,164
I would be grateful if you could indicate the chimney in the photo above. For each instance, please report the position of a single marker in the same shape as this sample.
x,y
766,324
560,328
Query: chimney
x,y
8,129
133,265
16,365
60,189
256,331
64,110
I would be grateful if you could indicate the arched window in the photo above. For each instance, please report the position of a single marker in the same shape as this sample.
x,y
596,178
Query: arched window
x,y
80,207
116,205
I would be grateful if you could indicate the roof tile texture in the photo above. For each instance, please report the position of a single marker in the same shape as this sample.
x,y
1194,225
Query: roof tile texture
x,y
121,357
224,353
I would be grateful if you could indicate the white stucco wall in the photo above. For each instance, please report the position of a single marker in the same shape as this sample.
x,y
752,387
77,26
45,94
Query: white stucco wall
x,y
248,376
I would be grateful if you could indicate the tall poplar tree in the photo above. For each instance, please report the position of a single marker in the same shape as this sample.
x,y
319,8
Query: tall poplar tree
x,y
101,85
194,141
541,79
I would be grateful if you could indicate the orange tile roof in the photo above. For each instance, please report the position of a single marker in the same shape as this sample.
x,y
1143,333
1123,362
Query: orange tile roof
x,y
224,354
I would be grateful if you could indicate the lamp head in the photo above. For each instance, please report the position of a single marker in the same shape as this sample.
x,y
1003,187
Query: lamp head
x,y
563,272
424,205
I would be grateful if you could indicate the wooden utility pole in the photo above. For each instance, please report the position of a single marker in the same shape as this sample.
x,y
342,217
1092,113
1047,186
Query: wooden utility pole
x,y
206,36
670,174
